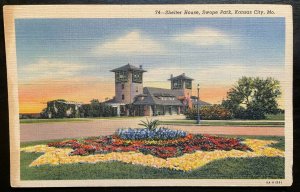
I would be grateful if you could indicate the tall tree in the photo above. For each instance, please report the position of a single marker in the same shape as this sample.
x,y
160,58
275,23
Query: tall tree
x,y
255,96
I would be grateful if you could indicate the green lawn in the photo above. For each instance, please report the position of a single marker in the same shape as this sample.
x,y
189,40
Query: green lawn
x,y
230,168
279,116
226,123
271,121
24,121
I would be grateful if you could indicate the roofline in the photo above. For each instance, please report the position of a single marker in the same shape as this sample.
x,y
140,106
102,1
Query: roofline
x,y
182,76
159,104
115,70
119,68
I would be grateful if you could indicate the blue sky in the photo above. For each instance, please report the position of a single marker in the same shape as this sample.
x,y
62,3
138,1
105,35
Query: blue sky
x,y
213,51
251,42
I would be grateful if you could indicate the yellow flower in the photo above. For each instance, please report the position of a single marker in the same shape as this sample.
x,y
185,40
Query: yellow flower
x,y
186,162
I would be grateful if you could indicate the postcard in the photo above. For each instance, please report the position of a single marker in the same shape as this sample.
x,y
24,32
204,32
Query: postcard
x,y
150,95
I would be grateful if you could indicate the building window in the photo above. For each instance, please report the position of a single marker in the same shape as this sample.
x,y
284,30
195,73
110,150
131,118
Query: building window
x,y
188,84
121,76
123,86
177,84
137,77
136,89
123,97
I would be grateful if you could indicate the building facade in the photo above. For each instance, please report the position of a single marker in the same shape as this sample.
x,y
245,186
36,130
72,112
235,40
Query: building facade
x,y
128,83
132,99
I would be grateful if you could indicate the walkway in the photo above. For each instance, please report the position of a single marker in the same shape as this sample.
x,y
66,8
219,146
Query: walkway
x,y
97,127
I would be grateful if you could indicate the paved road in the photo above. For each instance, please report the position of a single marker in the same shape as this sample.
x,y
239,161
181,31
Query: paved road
x,y
60,130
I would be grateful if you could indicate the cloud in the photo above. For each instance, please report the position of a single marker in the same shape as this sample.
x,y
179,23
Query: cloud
x,y
214,80
205,37
223,74
131,43
54,70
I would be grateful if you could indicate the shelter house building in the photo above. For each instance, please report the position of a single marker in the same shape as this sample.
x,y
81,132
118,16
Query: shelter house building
x,y
133,99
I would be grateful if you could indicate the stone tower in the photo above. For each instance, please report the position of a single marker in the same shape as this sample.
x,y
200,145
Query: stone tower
x,y
128,83
182,83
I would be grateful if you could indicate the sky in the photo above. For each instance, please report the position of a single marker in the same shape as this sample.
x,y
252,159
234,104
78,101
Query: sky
x,y
71,58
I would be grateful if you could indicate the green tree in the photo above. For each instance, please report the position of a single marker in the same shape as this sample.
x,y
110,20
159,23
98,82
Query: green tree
x,y
252,98
55,108
95,108
86,110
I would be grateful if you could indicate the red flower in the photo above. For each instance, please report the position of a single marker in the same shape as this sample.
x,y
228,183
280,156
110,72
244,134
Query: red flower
x,y
79,151
162,148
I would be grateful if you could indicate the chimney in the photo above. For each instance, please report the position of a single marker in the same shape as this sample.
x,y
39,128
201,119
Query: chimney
x,y
171,76
183,74
141,66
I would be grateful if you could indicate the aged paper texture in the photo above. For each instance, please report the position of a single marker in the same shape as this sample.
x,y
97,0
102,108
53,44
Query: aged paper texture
x,y
150,95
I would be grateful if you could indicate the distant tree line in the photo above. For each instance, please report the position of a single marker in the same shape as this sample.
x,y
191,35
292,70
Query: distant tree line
x,y
97,109
250,98
60,108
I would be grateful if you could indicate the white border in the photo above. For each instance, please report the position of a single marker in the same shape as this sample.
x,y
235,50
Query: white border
x,y
137,11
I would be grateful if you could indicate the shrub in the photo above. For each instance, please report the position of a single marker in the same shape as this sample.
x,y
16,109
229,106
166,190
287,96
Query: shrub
x,y
249,113
58,109
155,134
152,124
213,112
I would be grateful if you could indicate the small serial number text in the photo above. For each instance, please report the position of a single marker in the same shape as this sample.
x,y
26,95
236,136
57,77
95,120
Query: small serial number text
x,y
274,182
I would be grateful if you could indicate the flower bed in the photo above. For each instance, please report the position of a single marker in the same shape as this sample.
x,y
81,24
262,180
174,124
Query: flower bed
x,y
163,148
148,134
190,161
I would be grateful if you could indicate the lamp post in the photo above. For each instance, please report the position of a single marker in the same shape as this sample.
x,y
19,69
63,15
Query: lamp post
x,y
198,114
